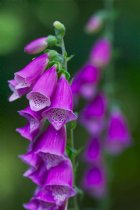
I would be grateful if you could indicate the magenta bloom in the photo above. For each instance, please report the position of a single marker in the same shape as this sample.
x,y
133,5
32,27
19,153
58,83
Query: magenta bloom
x,y
30,73
58,186
93,115
95,181
31,159
36,46
50,147
93,152
37,175
26,133
101,53
94,24
34,118
61,109
39,97
85,81
36,204
17,93
118,136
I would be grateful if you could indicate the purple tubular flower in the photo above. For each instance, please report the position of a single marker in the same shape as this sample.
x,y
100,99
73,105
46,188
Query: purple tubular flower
x,y
60,111
30,73
17,93
118,136
85,81
93,153
36,46
92,117
34,118
58,186
37,175
36,204
25,132
50,146
94,24
31,159
101,53
95,181
39,97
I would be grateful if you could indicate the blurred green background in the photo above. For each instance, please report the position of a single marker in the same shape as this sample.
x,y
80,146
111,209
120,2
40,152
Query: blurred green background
x,y
23,20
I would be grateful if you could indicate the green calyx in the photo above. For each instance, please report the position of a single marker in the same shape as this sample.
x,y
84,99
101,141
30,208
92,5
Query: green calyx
x,y
52,41
59,29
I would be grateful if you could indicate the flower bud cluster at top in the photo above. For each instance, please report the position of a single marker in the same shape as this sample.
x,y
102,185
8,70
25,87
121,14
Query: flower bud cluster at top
x,y
108,131
45,83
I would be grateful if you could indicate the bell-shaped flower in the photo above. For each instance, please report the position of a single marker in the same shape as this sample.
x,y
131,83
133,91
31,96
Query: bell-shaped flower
x,y
31,159
95,181
37,175
118,135
61,110
25,132
93,151
34,118
36,46
50,146
93,115
85,81
39,97
36,204
101,53
58,186
27,76
17,93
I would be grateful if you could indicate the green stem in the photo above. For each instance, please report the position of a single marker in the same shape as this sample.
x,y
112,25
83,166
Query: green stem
x,y
109,6
64,54
75,201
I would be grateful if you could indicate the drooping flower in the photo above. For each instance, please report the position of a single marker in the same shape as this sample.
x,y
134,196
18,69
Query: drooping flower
x,y
27,76
26,133
61,109
93,152
101,53
58,186
85,81
118,135
95,181
36,46
17,93
38,174
36,204
93,115
34,118
50,146
39,97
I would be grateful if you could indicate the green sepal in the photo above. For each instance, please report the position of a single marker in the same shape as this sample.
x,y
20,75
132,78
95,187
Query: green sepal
x,y
64,72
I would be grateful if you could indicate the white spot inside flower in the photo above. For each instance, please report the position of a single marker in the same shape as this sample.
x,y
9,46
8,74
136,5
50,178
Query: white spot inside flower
x,y
51,160
57,117
38,101
60,194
